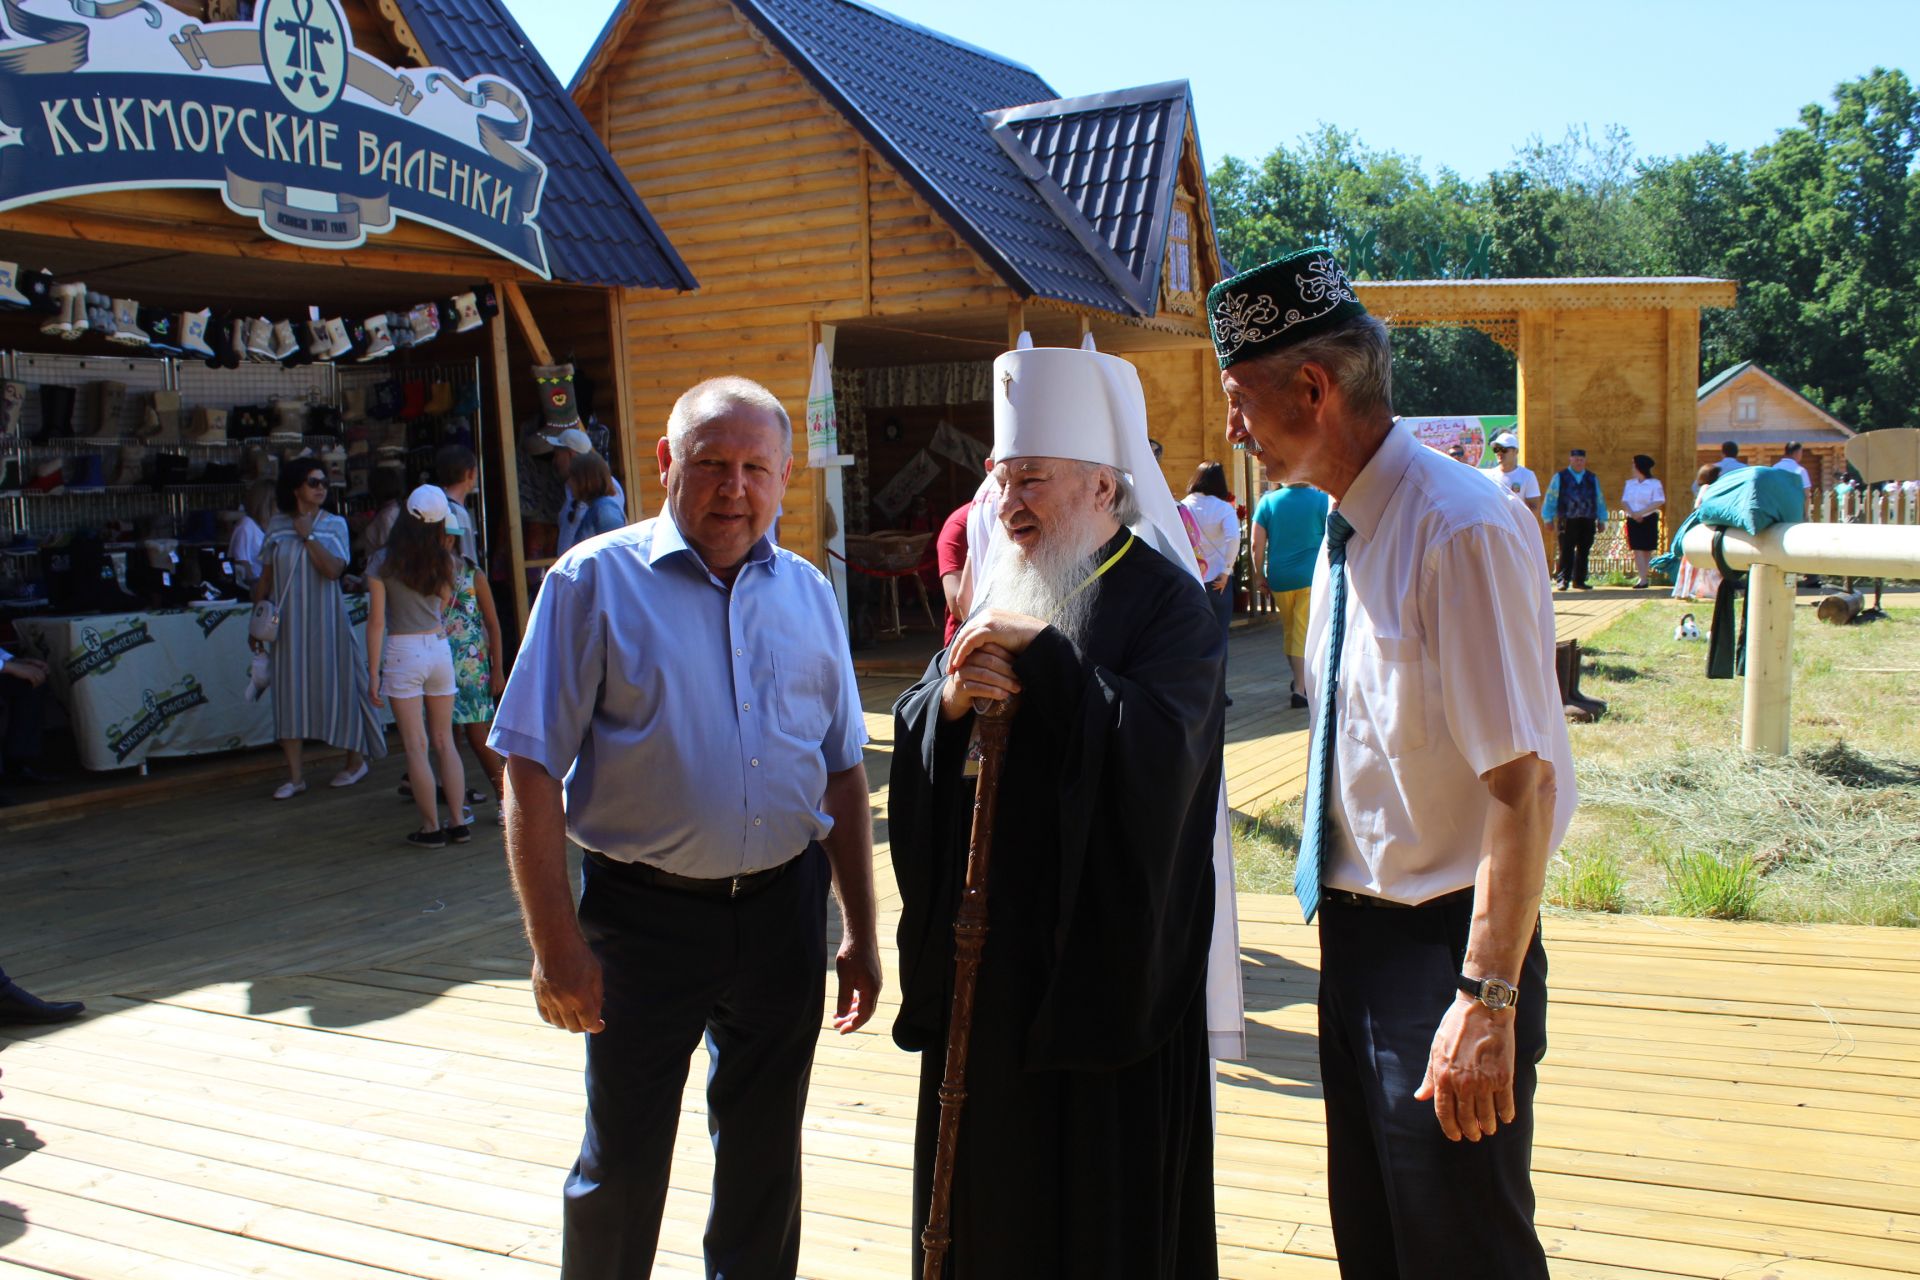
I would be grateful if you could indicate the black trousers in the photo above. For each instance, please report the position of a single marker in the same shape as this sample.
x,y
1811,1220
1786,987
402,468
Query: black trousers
x,y
1576,545
23,711
748,974
1407,1203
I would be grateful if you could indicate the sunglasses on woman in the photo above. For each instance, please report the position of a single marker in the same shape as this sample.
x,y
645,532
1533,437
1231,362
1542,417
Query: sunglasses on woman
x,y
314,482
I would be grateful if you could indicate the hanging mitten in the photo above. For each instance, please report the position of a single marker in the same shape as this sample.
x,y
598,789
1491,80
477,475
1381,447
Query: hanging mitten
x,y
558,409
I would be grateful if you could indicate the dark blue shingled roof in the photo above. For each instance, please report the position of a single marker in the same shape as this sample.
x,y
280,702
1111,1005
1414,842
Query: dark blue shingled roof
x,y
1107,164
596,228
921,98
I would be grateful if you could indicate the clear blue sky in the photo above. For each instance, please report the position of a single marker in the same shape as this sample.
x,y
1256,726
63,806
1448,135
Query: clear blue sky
x,y
1458,83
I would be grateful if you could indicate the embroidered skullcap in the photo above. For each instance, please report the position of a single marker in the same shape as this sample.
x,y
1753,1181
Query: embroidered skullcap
x,y
1272,307
428,503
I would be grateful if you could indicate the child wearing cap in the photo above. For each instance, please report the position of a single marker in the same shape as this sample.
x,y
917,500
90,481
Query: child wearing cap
x,y
410,584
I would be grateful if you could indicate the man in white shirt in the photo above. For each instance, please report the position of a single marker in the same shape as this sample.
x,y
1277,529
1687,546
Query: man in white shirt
x,y
1518,480
1439,782
1790,461
1730,457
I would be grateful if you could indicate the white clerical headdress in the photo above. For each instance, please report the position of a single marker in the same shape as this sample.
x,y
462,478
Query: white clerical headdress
x,y
1066,402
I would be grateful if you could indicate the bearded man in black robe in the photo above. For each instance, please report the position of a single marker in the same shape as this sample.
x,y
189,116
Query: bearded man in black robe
x,y
1086,1144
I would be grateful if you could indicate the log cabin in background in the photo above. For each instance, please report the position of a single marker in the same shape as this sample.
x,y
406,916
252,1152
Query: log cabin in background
x,y
1749,406
832,173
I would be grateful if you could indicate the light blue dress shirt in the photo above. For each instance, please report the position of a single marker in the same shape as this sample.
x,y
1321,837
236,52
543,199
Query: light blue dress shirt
x,y
694,727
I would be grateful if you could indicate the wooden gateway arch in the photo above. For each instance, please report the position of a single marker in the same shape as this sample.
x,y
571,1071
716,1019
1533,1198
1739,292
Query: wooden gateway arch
x,y
1610,365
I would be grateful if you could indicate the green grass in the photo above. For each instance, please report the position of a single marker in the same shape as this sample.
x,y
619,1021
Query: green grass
x,y
1264,849
1694,826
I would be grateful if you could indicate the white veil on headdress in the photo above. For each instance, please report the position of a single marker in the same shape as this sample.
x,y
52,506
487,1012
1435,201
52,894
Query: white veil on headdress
x,y
1068,402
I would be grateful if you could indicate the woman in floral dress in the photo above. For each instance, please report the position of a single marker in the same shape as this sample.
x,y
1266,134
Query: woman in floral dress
x,y
473,632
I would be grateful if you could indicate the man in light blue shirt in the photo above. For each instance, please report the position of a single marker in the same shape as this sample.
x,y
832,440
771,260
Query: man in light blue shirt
x,y
684,707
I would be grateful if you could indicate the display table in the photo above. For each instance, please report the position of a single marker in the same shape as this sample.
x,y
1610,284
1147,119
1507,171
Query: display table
x,y
138,685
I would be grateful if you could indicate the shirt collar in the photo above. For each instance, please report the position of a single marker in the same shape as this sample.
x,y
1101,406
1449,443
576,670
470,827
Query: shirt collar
x,y
1371,490
668,540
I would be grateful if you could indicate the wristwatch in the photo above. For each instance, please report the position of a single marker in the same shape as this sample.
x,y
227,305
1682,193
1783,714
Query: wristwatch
x,y
1494,993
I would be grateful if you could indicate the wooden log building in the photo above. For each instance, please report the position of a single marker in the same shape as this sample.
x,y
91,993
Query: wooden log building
x,y
1749,406
833,173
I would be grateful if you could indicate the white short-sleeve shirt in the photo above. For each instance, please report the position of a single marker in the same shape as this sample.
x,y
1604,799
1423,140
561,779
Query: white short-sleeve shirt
x,y
1446,672
1521,482
1790,464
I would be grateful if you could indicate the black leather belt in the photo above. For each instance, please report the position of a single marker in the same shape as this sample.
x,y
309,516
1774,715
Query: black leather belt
x,y
1347,898
724,887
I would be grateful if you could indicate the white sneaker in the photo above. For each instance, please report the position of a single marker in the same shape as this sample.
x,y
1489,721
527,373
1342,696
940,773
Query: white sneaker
x,y
347,777
288,790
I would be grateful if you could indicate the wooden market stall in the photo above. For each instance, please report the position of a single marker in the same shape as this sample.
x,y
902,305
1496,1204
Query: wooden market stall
x,y
830,176
361,257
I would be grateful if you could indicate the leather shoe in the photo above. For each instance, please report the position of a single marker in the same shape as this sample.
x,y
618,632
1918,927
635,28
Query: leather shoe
x,y
19,1007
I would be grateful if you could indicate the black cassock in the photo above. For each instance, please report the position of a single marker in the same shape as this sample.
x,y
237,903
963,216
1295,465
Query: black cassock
x,y
1086,1146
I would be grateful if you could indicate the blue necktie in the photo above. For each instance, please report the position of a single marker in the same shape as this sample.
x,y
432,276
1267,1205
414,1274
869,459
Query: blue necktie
x,y
1311,865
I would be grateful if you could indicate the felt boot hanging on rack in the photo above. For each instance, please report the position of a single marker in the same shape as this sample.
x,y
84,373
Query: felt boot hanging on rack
x,y
160,419
379,339
132,467
10,294
413,398
192,330
85,474
424,321
13,401
466,312
558,409
466,399
10,475
162,329
282,345
259,338
440,397
126,324
56,410
99,314
106,404
339,345
68,318
208,426
50,476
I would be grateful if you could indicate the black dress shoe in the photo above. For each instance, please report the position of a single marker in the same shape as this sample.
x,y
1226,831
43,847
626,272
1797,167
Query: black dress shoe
x,y
1297,701
19,1007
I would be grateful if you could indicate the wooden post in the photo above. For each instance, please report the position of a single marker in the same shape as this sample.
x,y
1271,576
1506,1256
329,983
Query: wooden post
x,y
509,459
637,458
1534,370
530,331
1766,713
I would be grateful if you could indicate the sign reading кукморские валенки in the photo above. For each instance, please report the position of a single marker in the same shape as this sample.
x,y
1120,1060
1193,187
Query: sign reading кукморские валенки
x,y
292,124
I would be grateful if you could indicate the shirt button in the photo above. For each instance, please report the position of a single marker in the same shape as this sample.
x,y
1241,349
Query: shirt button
x,y
746,706
755,762
739,652
756,822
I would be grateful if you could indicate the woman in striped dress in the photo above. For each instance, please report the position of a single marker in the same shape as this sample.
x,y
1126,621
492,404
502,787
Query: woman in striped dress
x,y
319,670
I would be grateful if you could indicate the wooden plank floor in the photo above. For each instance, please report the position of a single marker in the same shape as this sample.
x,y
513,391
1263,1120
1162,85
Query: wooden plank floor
x,y
1267,739
312,1055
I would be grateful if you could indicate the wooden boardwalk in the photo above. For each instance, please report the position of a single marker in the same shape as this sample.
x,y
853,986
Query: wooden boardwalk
x,y
312,1056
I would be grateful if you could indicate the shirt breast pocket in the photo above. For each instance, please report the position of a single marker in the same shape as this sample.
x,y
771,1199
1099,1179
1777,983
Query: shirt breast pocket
x,y
1387,698
804,693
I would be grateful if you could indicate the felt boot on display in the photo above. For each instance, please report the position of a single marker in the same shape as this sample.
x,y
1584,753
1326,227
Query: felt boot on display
x,y
466,399
558,407
230,338
339,345
354,399
99,314
324,420
193,333
126,324
466,312
314,336
10,475
207,426
85,474
289,421
106,405
379,339
357,482
283,346
424,320
413,399
440,398
49,476
387,400
131,469
60,321
488,302
39,288
162,329
56,410
13,401
334,459
400,325
10,295
259,338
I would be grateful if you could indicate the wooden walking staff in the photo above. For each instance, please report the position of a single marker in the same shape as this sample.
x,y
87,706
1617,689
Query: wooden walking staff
x,y
992,723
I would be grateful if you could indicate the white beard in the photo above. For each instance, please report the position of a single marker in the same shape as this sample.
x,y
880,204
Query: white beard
x,y
1043,583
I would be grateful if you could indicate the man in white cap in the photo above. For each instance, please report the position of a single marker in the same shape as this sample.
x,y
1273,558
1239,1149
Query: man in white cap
x,y
1516,479
568,445
1085,1146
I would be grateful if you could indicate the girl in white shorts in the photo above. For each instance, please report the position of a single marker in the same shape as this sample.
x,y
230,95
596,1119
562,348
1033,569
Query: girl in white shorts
x,y
411,583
